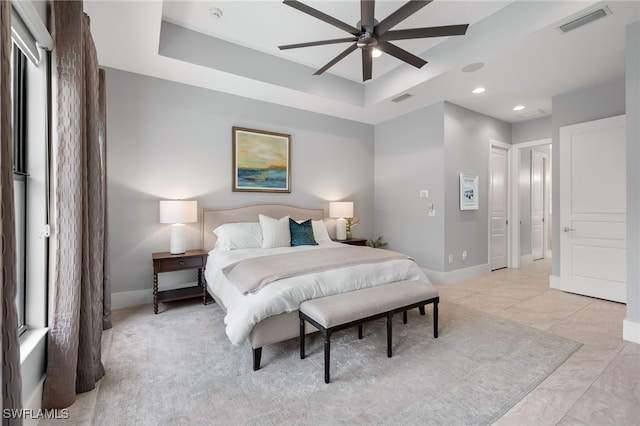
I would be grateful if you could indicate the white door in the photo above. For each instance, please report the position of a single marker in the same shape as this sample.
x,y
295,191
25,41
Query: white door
x,y
537,205
498,203
593,209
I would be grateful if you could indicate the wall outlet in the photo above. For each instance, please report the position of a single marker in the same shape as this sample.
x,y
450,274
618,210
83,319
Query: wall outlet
x,y
450,259
464,255
424,193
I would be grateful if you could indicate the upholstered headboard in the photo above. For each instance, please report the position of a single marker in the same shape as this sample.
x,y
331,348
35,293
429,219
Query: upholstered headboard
x,y
211,218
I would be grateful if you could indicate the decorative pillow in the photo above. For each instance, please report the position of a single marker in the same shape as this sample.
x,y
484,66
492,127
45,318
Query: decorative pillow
x,y
241,235
320,233
301,233
275,232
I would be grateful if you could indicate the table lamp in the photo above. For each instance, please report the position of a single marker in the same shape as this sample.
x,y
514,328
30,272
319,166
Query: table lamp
x,y
341,210
177,213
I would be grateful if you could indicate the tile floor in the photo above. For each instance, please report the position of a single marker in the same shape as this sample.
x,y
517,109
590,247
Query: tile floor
x,y
598,385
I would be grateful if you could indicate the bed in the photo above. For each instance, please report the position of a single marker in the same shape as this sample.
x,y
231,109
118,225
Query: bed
x,y
267,315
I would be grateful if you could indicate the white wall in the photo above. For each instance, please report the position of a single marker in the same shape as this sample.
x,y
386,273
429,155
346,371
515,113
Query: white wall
x,y
168,140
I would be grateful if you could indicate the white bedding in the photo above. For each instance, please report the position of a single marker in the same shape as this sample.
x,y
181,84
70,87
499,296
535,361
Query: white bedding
x,y
244,311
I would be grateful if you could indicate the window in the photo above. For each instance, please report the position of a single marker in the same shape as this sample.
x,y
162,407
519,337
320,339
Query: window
x,y
18,116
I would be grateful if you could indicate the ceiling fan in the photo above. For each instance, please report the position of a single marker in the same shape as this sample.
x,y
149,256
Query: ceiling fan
x,y
369,34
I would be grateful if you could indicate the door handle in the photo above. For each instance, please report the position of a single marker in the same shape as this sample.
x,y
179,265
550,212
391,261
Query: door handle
x,y
567,229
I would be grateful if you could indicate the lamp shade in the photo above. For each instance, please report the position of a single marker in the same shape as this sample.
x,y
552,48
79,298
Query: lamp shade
x,y
341,209
178,211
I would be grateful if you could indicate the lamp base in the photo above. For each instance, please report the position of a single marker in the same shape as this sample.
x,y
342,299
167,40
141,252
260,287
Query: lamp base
x,y
341,229
178,245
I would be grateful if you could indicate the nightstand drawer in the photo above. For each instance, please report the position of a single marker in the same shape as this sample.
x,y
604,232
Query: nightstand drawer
x,y
167,265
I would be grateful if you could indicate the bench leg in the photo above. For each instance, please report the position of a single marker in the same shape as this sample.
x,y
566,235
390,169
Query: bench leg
x,y
389,323
435,319
302,336
257,354
404,317
421,310
359,331
327,351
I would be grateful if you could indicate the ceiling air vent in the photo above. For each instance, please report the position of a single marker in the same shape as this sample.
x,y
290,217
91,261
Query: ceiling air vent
x,y
585,19
532,113
401,98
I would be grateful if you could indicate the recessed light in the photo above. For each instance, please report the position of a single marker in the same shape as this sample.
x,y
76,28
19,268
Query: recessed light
x,y
473,67
216,12
518,108
478,90
376,53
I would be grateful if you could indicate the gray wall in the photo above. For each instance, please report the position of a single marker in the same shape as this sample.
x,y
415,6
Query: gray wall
x,y
168,140
592,103
409,157
531,130
633,174
428,149
467,136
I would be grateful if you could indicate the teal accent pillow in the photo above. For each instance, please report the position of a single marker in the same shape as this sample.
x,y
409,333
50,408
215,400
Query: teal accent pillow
x,y
301,233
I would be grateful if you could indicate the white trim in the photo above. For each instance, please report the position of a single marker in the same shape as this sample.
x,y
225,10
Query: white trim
x,y
439,277
125,299
34,402
631,331
554,282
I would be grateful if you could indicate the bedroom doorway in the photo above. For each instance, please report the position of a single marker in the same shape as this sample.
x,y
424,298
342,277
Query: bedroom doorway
x,y
532,209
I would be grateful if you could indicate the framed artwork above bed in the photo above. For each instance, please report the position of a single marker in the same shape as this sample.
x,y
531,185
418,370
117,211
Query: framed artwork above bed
x,y
261,161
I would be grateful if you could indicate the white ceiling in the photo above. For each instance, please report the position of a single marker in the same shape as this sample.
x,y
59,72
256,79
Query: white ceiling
x,y
527,60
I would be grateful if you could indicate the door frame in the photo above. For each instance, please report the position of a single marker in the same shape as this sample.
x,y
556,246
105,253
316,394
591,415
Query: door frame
x,y
509,148
545,203
515,197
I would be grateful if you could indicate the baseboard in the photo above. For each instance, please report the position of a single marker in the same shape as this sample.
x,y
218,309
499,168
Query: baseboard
x,y
34,403
631,331
125,299
526,259
554,282
439,277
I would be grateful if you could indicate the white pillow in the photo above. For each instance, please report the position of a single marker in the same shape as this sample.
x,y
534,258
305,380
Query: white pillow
x,y
241,235
275,232
320,233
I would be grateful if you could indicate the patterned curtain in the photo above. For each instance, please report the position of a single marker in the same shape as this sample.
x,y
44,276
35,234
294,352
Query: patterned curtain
x,y
81,289
11,380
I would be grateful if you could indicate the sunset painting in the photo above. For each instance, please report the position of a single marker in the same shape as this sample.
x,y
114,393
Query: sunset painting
x,y
261,161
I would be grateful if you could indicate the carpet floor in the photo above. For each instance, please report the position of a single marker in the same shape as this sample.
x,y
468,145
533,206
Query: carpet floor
x,y
178,368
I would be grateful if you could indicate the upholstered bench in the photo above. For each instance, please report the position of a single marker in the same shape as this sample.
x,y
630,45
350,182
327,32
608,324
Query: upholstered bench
x,y
340,311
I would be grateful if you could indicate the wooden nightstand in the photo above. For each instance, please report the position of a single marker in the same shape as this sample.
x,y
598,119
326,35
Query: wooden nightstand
x,y
354,241
167,262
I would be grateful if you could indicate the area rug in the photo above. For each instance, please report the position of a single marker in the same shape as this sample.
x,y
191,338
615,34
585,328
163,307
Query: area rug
x,y
178,368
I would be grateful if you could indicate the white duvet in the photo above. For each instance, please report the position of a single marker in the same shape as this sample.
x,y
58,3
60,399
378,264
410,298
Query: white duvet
x,y
244,311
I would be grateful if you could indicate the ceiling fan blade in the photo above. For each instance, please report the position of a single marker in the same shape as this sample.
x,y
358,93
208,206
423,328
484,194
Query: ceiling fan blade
x,y
367,64
448,30
318,43
401,54
337,59
367,20
400,15
322,16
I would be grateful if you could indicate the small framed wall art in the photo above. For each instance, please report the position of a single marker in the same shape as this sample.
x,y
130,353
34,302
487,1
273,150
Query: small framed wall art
x,y
468,192
261,161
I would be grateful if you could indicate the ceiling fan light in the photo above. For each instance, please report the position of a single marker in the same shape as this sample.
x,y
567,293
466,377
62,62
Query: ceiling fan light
x,y
376,53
